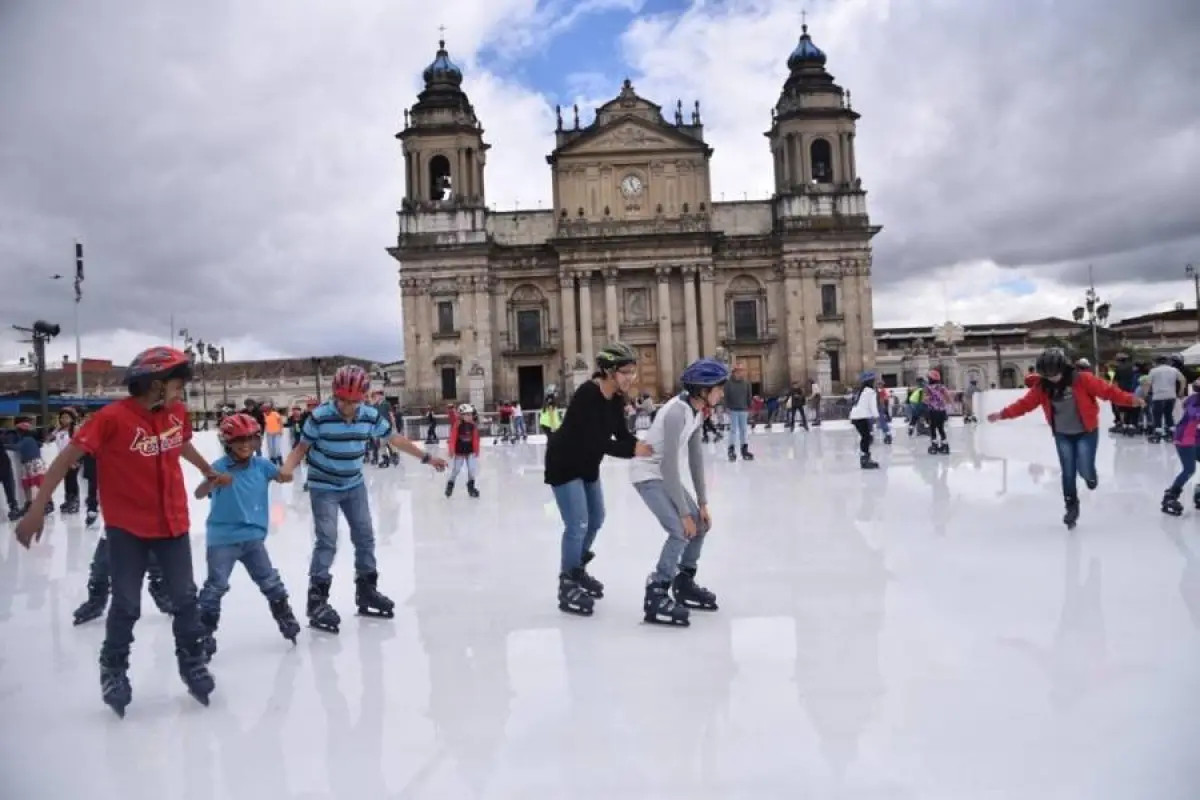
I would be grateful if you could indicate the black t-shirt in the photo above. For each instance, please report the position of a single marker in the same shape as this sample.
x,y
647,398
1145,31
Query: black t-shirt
x,y
465,444
594,426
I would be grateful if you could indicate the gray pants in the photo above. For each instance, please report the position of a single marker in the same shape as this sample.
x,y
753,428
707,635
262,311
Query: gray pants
x,y
678,550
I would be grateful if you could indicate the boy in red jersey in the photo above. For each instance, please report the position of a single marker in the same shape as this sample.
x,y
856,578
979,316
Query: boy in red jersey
x,y
137,443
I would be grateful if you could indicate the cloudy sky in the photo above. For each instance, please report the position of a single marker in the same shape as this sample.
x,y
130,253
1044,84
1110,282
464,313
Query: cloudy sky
x,y
231,163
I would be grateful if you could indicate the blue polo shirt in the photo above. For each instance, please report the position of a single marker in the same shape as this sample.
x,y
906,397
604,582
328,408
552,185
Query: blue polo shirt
x,y
337,448
240,512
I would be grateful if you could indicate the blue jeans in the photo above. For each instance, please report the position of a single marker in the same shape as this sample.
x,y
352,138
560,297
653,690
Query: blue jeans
x,y
678,551
1187,466
274,445
1163,415
1076,457
353,503
470,462
221,560
581,506
738,421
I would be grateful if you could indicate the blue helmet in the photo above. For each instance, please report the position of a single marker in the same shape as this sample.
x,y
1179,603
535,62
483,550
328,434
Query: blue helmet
x,y
705,373
867,377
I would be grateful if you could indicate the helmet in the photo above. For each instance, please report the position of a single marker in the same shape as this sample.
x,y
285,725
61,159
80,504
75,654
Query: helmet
x,y
704,373
158,364
615,355
466,408
935,375
69,411
1083,363
311,403
351,382
1052,361
867,377
238,426
1177,360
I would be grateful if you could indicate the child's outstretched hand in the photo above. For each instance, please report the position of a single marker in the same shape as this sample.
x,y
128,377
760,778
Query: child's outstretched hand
x,y
282,478
438,463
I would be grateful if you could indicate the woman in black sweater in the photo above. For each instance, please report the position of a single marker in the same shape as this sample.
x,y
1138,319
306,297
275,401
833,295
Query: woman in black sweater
x,y
594,426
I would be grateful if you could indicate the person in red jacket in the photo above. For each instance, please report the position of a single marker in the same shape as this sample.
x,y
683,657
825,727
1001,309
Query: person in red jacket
x,y
1069,398
464,447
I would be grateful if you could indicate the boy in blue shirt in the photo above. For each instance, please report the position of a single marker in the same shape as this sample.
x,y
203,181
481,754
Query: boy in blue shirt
x,y
237,528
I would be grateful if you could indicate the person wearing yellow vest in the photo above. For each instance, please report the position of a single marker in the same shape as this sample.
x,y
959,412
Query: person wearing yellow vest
x,y
550,419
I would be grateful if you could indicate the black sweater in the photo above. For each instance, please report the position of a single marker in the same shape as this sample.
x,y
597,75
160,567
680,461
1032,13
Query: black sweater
x,y
594,426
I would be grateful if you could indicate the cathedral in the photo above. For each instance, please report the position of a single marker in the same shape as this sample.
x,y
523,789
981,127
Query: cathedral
x,y
504,305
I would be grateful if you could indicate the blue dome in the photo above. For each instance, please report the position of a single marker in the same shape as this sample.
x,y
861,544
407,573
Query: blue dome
x,y
443,70
806,52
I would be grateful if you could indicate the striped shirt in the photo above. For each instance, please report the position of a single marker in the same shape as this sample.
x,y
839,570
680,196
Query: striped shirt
x,y
336,448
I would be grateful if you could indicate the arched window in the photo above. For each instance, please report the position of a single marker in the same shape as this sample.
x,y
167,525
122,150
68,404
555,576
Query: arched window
x,y
439,178
528,319
820,155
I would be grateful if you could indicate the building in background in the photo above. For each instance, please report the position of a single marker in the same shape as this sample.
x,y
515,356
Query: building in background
x,y
503,304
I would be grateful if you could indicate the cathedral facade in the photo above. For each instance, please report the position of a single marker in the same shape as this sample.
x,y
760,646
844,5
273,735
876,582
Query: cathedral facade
x,y
634,248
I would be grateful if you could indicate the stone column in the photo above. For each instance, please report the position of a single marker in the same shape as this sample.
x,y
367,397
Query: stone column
x,y
691,327
567,311
585,316
483,331
612,322
824,373
708,308
666,356
793,308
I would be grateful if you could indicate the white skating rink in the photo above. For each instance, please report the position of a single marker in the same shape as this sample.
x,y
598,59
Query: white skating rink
x,y
928,630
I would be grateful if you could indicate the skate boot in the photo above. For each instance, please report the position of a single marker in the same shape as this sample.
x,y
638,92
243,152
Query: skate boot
x,y
193,670
1091,483
746,454
91,518
114,684
572,597
1072,515
865,462
1154,437
395,459
933,449
211,620
384,463
593,587
14,513
449,488
158,593
50,508
471,490
732,453
71,506
321,615
1171,504
689,594
944,448
370,602
95,604
887,438
281,610
659,608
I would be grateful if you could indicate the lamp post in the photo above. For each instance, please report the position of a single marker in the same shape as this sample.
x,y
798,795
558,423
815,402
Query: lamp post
x,y
1095,313
39,334
216,355
316,362
1193,272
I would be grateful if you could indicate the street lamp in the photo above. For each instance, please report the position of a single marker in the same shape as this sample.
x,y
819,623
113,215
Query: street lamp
x,y
1095,313
1193,272
39,334
216,355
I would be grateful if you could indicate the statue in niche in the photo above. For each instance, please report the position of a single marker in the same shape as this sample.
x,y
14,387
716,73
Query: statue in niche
x,y
637,305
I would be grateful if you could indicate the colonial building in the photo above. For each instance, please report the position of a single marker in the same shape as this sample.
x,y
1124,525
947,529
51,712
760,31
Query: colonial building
x,y
500,305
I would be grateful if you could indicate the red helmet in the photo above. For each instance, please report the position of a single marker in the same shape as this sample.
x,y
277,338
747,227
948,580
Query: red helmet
x,y
935,376
159,363
351,382
239,426
311,403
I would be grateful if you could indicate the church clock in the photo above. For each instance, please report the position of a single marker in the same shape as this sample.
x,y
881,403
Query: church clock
x,y
631,186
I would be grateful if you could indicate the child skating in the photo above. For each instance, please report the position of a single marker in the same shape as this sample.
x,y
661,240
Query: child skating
x,y
237,528
1187,440
464,448
334,444
937,401
864,412
68,420
675,437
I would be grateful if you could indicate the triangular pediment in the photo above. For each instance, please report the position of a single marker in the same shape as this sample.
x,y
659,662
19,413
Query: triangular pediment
x,y
627,134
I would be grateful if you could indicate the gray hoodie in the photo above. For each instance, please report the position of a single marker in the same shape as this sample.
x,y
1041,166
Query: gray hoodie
x,y
737,395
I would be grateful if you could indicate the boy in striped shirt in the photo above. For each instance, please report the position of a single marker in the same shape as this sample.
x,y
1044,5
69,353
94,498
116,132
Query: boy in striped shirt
x,y
334,442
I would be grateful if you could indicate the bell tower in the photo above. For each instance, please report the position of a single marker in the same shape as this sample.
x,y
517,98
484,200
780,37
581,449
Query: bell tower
x,y
444,151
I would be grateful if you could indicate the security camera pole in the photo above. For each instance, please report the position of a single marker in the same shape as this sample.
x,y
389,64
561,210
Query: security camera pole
x,y
39,334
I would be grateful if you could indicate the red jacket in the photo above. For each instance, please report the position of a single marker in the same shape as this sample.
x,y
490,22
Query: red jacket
x,y
1087,387
452,442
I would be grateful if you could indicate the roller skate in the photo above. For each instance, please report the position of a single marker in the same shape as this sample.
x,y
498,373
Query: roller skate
x,y
1171,504
158,593
732,453
289,628
659,608
1071,517
114,684
449,488
593,587
395,459
194,672
944,448
865,462
1154,437
689,594
1091,483
321,615
572,597
71,506
97,601
746,454
933,449
471,490
887,438
210,620
14,513
368,599
92,516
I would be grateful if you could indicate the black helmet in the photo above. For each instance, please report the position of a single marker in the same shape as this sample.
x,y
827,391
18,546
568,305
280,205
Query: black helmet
x,y
1052,361
615,355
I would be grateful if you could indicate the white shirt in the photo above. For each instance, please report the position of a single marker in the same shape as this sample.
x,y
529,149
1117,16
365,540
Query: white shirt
x,y
1164,382
867,406
673,435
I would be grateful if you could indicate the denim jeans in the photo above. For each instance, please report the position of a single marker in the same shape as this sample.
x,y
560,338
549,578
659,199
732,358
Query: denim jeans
x,y
1163,415
678,550
581,506
470,462
1076,457
274,446
89,475
128,558
519,425
354,504
254,557
1187,466
796,411
101,572
738,421
8,479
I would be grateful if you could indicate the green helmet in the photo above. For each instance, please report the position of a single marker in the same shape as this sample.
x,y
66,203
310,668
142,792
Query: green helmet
x,y
615,355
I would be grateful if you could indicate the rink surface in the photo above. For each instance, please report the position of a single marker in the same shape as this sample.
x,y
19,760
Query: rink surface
x,y
929,630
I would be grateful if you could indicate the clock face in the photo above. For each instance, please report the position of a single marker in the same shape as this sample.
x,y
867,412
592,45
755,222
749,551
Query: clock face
x,y
631,186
